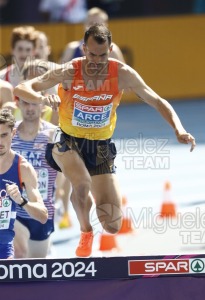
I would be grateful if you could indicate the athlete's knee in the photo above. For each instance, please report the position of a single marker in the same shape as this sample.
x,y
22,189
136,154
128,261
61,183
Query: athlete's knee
x,y
20,251
81,190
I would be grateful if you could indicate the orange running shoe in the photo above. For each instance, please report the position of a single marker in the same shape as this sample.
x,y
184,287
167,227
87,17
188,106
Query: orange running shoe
x,y
84,248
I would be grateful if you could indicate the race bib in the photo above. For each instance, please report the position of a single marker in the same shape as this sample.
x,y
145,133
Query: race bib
x,y
42,175
5,212
43,182
88,116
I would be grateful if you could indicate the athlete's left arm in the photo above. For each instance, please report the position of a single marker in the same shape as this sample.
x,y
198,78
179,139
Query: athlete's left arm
x,y
129,79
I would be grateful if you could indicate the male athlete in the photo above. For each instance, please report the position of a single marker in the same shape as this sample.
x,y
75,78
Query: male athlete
x,y
89,93
16,174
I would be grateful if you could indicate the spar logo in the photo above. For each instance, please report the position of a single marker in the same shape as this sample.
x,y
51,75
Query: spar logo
x,y
159,267
166,266
6,202
197,265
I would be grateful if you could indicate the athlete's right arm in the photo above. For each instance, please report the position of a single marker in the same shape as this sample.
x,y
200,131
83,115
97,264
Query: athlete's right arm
x,y
28,90
35,206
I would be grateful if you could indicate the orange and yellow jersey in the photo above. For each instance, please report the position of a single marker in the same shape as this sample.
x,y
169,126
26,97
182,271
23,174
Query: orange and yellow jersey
x,y
88,113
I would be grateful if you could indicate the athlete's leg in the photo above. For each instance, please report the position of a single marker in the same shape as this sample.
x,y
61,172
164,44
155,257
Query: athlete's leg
x,y
21,239
63,192
74,169
66,187
38,249
106,191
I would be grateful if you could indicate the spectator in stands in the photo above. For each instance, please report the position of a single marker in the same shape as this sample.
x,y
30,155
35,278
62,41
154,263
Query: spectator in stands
x,y
20,12
71,11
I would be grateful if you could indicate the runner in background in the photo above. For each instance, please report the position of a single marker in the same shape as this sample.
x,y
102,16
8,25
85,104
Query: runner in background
x,y
16,175
43,49
23,43
32,135
28,44
63,185
32,239
75,49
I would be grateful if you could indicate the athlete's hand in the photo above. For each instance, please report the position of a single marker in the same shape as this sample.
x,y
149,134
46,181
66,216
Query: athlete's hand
x,y
13,191
186,138
52,100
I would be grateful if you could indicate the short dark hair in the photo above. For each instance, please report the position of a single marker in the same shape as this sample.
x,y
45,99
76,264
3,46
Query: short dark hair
x,y
6,117
100,33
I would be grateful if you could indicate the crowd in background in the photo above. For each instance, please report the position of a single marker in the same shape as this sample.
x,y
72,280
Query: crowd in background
x,y
74,11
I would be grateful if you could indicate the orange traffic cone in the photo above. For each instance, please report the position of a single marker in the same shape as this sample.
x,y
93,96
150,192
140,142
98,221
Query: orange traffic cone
x,y
168,208
126,221
107,242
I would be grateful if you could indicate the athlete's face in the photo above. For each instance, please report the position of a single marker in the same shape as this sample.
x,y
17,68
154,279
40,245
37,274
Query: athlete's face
x,y
22,51
30,112
96,54
42,50
6,135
